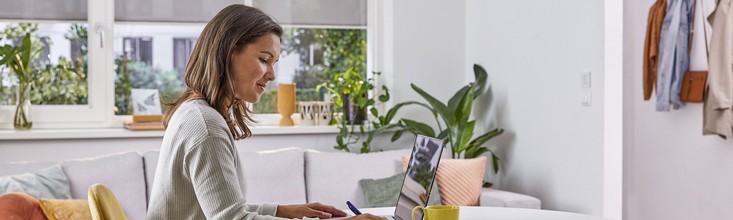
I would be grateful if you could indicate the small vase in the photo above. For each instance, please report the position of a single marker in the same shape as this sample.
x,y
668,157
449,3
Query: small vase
x,y
352,114
286,103
22,119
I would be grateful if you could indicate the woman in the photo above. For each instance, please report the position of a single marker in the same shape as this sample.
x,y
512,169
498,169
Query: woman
x,y
199,175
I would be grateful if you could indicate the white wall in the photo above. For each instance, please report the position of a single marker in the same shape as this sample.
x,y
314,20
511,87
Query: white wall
x,y
671,171
429,51
534,52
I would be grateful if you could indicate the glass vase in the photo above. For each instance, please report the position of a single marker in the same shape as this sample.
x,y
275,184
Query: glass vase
x,y
353,114
22,119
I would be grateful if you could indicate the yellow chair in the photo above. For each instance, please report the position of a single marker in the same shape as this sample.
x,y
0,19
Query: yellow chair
x,y
103,204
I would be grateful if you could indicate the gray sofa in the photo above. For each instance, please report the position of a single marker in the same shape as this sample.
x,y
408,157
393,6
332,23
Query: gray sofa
x,y
285,176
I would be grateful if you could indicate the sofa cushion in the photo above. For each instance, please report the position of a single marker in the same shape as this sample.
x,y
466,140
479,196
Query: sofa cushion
x,y
333,178
20,206
49,182
66,209
122,173
274,176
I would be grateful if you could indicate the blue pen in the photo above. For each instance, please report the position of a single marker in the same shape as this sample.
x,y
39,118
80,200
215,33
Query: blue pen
x,y
353,208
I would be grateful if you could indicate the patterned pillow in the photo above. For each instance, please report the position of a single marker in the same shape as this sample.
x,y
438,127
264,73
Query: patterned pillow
x,y
460,180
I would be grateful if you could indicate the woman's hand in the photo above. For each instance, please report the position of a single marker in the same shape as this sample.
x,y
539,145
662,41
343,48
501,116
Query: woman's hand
x,y
311,210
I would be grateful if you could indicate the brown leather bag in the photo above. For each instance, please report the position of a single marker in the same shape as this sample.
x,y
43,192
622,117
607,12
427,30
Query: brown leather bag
x,y
693,82
693,86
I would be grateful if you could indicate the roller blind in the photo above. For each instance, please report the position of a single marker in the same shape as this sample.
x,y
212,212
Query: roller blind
x,y
169,10
43,9
316,12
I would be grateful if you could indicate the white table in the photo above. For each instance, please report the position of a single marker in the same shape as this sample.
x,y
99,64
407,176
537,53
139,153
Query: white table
x,y
484,213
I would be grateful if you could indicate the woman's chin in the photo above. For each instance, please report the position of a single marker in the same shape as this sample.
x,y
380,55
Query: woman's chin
x,y
254,99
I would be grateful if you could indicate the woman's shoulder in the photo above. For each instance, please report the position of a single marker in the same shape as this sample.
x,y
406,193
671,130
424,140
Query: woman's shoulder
x,y
198,116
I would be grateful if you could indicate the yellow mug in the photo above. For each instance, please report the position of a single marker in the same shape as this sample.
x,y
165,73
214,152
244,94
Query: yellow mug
x,y
438,212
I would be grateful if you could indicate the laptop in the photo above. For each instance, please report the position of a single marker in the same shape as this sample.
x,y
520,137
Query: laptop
x,y
419,177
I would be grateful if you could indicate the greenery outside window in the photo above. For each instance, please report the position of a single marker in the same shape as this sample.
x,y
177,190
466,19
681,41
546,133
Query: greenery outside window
x,y
91,47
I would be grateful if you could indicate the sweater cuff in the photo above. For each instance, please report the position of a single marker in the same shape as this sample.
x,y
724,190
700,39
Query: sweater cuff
x,y
269,209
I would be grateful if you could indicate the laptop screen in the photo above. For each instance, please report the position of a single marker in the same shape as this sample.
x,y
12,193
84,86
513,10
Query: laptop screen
x,y
419,176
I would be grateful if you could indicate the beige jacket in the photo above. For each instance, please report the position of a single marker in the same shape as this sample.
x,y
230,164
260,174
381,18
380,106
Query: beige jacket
x,y
718,107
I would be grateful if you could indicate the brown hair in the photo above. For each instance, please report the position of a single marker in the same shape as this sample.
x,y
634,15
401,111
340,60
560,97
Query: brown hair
x,y
208,70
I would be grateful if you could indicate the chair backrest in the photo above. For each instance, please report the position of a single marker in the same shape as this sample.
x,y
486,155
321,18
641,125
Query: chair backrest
x,y
103,204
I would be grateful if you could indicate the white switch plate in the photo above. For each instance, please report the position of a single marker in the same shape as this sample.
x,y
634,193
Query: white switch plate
x,y
586,98
585,80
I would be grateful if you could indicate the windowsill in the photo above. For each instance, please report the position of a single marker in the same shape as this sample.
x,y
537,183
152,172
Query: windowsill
x,y
102,133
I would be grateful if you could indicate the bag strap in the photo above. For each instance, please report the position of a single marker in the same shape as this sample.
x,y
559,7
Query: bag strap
x,y
704,28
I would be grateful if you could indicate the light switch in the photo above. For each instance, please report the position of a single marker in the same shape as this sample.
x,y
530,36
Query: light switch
x,y
585,80
586,98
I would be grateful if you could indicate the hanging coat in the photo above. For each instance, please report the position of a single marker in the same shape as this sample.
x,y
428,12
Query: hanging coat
x,y
717,110
651,45
674,58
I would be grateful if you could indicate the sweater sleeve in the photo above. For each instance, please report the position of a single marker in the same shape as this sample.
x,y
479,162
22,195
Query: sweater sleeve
x,y
210,167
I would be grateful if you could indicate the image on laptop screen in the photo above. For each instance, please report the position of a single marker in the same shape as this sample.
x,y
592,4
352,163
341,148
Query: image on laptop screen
x,y
419,176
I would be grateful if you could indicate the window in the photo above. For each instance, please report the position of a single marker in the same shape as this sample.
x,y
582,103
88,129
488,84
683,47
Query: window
x,y
152,47
321,38
147,44
62,85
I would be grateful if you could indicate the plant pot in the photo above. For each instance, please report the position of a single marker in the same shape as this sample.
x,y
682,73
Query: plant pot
x,y
352,114
22,119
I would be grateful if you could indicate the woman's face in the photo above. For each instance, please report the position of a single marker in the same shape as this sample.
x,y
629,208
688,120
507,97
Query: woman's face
x,y
253,67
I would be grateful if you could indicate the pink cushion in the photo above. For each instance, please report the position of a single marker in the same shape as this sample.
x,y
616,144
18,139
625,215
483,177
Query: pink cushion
x,y
460,180
20,206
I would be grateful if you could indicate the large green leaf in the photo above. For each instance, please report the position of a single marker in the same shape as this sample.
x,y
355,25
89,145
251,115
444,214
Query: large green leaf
x,y
393,111
453,102
495,161
439,107
475,152
443,134
419,127
464,107
25,51
481,80
465,136
480,140
397,135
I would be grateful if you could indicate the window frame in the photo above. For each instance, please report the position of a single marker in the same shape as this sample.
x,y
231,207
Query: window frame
x,y
98,113
99,15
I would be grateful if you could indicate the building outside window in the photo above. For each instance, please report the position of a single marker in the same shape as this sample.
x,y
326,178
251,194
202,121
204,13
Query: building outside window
x,y
182,49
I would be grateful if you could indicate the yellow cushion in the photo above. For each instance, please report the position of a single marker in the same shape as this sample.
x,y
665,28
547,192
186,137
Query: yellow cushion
x,y
103,204
63,209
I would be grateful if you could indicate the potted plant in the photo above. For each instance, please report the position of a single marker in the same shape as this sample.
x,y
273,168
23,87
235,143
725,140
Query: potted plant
x,y
457,130
18,59
349,91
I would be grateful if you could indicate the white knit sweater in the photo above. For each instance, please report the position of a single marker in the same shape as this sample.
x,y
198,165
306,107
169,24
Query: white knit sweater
x,y
199,174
